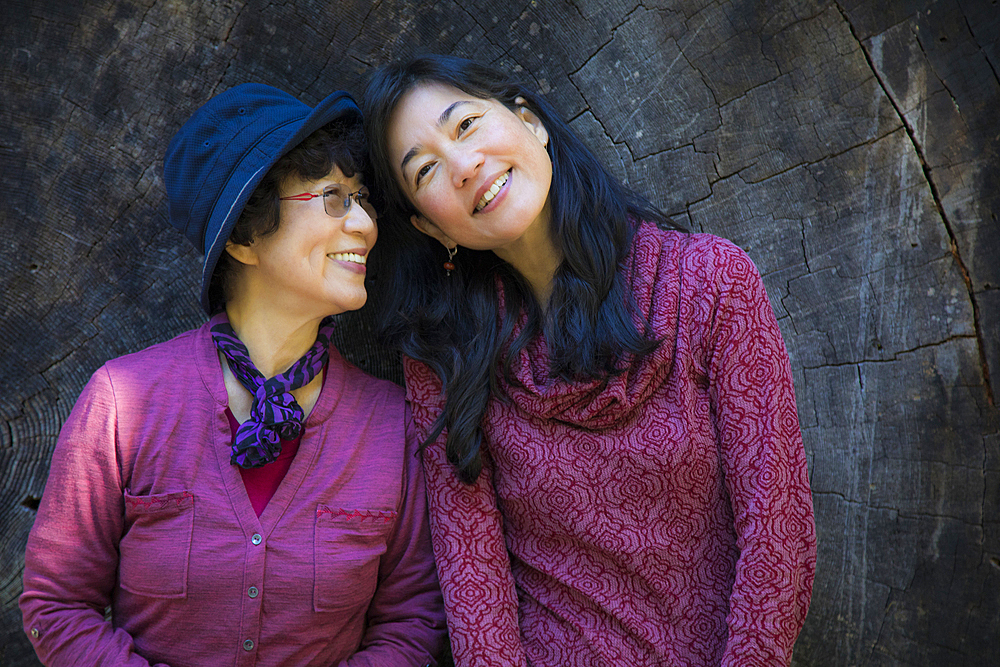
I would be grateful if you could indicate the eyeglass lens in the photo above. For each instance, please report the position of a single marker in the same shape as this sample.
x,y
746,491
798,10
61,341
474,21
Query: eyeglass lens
x,y
337,201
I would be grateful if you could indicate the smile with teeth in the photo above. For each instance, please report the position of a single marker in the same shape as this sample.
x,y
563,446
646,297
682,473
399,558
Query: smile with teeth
x,y
492,192
348,257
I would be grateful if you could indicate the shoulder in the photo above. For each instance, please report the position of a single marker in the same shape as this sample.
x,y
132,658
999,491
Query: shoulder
x,y
693,253
713,249
677,267
704,264
360,396
163,365
358,381
132,382
697,277
168,351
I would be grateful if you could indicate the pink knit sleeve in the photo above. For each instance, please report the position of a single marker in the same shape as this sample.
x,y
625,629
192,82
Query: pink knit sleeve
x,y
765,468
469,549
71,559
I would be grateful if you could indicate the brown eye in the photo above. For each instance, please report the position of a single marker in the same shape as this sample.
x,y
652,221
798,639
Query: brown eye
x,y
424,170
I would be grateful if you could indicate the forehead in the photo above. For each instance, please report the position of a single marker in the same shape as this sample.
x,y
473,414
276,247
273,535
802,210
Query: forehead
x,y
425,98
420,111
299,184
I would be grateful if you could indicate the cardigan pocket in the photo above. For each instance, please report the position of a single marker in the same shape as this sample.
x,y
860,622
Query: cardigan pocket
x,y
156,547
347,547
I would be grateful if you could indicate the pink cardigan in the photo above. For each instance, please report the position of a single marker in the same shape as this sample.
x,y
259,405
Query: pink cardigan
x,y
664,519
144,513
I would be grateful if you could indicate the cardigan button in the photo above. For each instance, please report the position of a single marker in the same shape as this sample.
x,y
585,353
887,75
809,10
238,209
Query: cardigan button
x,y
34,633
248,645
253,592
256,539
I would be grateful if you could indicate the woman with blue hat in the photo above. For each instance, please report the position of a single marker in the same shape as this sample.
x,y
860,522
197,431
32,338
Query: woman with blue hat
x,y
241,494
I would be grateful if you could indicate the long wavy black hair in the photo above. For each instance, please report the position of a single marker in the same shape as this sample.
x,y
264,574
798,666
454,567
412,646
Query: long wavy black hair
x,y
452,322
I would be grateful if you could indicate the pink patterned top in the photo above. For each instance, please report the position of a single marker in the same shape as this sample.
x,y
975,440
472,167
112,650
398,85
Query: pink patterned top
x,y
664,519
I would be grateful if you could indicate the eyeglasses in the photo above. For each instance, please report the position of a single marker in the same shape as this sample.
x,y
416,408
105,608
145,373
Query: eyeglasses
x,y
337,200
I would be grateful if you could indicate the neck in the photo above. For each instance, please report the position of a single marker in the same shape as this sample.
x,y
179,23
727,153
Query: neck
x,y
536,257
274,339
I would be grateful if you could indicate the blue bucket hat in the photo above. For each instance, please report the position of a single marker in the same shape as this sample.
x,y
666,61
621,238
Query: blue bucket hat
x,y
217,159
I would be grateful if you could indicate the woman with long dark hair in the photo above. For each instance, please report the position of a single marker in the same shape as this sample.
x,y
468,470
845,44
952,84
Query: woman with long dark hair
x,y
240,494
614,464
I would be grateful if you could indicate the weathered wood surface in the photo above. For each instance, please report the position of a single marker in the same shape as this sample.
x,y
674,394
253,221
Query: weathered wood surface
x,y
851,147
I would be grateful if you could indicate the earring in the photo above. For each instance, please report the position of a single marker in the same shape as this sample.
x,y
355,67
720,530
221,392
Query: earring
x,y
449,266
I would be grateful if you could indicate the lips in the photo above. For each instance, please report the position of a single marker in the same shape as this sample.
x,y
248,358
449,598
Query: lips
x,y
492,191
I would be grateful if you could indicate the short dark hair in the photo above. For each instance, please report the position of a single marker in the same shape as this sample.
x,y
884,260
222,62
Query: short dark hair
x,y
340,143
451,325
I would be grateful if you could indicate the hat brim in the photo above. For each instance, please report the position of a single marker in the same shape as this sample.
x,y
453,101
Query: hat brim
x,y
252,167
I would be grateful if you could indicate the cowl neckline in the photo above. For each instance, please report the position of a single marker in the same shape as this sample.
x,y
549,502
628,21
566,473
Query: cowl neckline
x,y
653,281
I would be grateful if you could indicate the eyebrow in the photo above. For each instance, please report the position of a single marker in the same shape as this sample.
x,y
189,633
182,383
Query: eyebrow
x,y
442,119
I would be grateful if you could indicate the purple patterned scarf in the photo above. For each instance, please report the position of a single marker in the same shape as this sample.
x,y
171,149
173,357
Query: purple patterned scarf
x,y
275,414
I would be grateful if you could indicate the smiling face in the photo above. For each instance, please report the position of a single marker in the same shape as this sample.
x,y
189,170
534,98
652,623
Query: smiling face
x,y
313,264
477,172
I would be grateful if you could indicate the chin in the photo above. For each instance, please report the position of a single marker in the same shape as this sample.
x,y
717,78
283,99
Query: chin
x,y
344,306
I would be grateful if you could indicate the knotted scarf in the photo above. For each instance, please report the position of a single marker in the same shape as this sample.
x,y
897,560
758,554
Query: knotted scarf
x,y
275,414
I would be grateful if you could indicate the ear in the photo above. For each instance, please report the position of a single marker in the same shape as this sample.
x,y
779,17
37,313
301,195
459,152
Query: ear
x,y
531,120
244,254
425,226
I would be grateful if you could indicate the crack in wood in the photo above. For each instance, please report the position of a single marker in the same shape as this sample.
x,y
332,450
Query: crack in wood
x,y
895,355
597,51
475,21
902,514
986,55
229,30
799,165
936,196
930,67
796,22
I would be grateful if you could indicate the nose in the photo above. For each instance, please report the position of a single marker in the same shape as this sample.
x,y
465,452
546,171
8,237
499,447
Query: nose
x,y
465,162
358,221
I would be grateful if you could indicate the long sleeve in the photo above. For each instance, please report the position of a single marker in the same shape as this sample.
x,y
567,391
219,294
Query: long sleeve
x,y
406,617
469,548
764,469
72,553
